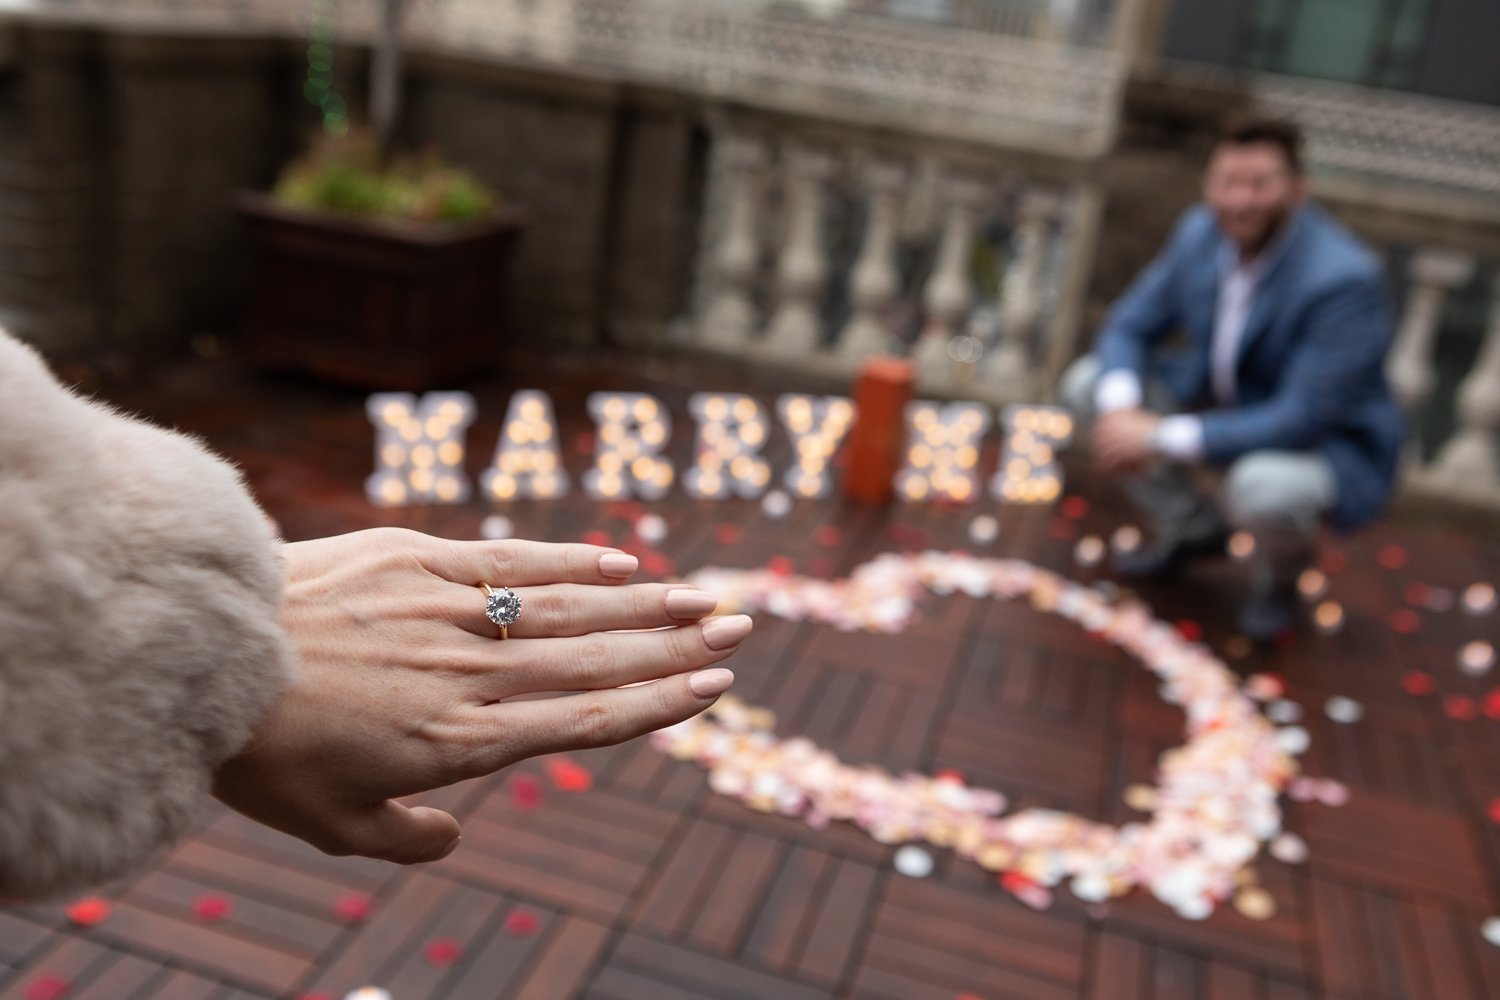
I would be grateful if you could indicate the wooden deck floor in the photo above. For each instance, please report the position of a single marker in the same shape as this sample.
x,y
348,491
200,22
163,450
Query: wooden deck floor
x,y
648,886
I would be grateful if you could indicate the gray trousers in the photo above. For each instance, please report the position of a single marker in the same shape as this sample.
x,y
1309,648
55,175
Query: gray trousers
x,y
1278,496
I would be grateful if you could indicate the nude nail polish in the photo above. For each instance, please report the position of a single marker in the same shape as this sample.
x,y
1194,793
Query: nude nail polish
x,y
690,604
721,633
618,565
711,683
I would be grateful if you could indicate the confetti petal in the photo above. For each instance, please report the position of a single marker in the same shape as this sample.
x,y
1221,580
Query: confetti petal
x,y
525,791
1479,599
1126,538
1255,904
1460,707
1074,508
1089,551
495,527
521,923
88,912
47,987
1312,584
983,529
1491,930
1343,710
352,908
212,908
1476,658
776,505
913,862
1416,682
1289,848
651,528
1392,556
1405,621
569,776
442,952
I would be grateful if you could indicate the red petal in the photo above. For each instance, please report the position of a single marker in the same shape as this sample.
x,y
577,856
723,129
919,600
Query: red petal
x,y
443,951
1392,556
1417,682
47,988
525,791
352,908
88,912
1405,621
1460,707
211,907
521,923
1075,508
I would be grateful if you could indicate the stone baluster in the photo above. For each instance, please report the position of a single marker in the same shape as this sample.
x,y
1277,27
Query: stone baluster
x,y
949,293
729,318
1433,275
1467,461
803,269
1009,370
873,283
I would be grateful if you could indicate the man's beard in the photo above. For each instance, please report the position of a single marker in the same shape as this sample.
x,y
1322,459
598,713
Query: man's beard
x,y
1273,226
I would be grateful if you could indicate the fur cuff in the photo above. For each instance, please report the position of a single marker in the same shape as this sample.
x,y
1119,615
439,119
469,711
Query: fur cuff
x,y
140,640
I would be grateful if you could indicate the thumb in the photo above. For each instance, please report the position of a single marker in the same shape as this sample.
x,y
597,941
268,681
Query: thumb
x,y
393,832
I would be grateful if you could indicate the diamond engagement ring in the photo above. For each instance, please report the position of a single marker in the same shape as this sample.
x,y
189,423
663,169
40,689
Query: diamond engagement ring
x,y
502,607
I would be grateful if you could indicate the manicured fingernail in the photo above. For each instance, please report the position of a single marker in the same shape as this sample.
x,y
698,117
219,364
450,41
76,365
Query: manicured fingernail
x,y
721,633
618,564
450,849
711,683
685,603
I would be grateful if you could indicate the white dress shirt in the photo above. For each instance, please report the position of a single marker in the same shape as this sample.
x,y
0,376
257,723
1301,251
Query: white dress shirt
x,y
1180,435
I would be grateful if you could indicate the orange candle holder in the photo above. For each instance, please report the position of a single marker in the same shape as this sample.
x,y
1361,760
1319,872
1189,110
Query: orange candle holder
x,y
881,392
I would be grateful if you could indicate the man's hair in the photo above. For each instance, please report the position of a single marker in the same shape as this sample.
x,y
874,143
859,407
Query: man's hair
x,y
1246,129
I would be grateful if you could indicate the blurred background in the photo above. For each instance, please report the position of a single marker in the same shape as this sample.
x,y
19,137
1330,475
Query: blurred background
x,y
794,183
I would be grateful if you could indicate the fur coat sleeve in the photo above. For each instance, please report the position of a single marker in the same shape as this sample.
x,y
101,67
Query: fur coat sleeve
x,y
139,633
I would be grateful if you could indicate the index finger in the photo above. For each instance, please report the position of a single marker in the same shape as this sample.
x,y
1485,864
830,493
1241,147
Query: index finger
x,y
514,562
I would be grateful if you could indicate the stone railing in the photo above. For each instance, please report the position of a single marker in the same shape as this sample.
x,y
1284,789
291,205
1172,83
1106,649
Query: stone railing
x,y
1360,132
815,256
1463,465
980,73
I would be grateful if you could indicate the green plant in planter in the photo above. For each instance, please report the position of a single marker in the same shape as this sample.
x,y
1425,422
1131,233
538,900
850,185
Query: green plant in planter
x,y
347,174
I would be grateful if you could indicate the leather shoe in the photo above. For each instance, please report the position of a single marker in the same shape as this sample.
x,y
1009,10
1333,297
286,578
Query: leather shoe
x,y
1164,560
1269,612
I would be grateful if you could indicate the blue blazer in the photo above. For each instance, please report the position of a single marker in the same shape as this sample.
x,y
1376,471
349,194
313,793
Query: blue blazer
x,y
1311,370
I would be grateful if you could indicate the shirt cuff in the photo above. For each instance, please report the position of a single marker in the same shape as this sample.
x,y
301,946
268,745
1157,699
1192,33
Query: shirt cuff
x,y
1179,436
1119,389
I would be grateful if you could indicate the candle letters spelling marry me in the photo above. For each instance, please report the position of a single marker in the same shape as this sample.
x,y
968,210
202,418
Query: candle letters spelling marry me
x,y
419,449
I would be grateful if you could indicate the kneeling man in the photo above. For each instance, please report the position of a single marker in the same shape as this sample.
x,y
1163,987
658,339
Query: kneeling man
x,y
1276,375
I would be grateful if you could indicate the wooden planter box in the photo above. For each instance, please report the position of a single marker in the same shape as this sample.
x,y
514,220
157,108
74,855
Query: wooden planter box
x,y
411,306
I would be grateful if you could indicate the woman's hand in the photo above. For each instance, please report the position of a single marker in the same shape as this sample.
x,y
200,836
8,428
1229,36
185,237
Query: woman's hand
x,y
405,686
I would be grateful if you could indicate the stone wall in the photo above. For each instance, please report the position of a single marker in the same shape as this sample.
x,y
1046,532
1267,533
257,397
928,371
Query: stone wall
x,y
121,154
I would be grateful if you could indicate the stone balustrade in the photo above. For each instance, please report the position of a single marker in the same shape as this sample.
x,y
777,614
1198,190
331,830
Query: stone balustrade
x,y
815,258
